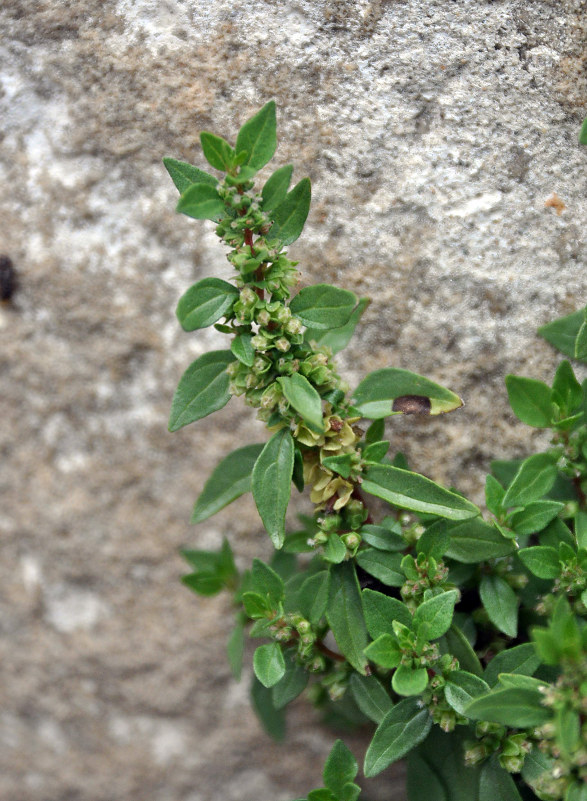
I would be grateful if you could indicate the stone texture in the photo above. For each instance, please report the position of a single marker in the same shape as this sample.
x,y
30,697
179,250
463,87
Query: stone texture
x,y
434,134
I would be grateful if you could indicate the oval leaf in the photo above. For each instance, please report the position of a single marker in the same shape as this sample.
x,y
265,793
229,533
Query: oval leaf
x,y
337,338
291,214
258,137
271,483
412,491
243,350
275,189
202,202
202,389
434,616
497,785
344,613
184,174
501,604
393,390
475,541
462,688
304,399
217,151
511,707
268,664
533,479
370,696
323,306
231,479
530,400
204,303
404,727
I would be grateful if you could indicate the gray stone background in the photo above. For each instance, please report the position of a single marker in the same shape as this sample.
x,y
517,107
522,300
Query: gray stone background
x,y
435,133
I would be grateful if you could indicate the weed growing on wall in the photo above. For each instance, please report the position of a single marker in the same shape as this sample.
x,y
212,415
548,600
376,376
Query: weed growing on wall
x,y
461,637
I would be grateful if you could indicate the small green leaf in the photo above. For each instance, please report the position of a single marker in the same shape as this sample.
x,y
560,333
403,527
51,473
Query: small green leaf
x,y
272,719
291,684
581,529
536,764
501,604
268,664
376,431
583,133
562,332
495,784
435,541
202,389
344,614
566,390
530,400
271,483
266,582
458,645
184,175
518,681
535,516
275,189
542,561
511,707
323,306
370,696
376,451
341,464
521,659
403,728
235,649
202,202
338,338
231,479
383,538
384,651
434,617
258,137
581,343
534,478
381,611
217,151
243,350
340,768
304,398
409,681
313,596
205,302
203,583
390,390
475,541
383,565
415,492
494,493
335,549
291,214
256,605
462,687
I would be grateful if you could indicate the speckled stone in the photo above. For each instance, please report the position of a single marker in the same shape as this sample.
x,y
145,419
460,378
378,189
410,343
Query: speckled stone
x,y
435,134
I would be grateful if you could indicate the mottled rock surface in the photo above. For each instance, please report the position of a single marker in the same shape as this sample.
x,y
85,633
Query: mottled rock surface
x,y
434,134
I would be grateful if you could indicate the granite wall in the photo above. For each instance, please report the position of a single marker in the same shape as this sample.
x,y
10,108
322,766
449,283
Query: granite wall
x,y
441,140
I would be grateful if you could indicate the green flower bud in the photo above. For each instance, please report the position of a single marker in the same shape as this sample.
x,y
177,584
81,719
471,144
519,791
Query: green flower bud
x,y
282,344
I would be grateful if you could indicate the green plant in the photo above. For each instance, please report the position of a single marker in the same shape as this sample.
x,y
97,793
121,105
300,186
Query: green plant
x,y
462,638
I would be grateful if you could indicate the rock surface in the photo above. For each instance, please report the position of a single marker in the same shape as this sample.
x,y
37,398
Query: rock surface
x,y
435,135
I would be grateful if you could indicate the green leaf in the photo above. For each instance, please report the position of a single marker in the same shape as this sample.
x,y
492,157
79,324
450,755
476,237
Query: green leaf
x,y
456,643
436,771
383,538
511,707
581,343
534,478
202,389
217,151
409,681
415,492
340,768
583,133
376,452
205,302
231,479
313,596
184,175
521,659
536,764
435,541
203,583
335,549
542,561
434,617
535,516
291,684
341,464
323,306
376,431
370,696
566,390
344,614
530,400
291,214
390,390
403,728
235,649
518,681
384,651
275,189
267,582
581,529
383,565
268,664
475,541
462,687
258,137
494,493
501,604
271,483
256,605
304,398
338,338
202,202
381,611
495,784
272,719
243,350
562,332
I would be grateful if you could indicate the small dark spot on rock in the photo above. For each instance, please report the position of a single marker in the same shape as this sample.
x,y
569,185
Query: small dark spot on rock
x,y
7,278
412,404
